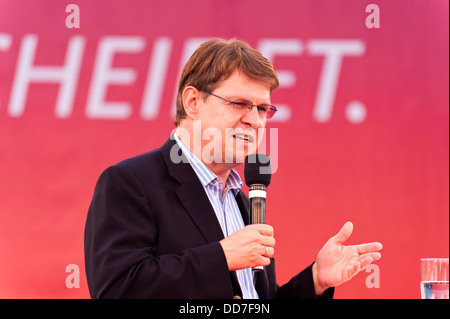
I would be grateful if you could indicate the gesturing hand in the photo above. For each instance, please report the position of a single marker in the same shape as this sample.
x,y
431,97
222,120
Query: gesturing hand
x,y
336,263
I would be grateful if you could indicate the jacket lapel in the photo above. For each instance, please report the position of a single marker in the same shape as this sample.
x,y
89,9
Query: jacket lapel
x,y
191,193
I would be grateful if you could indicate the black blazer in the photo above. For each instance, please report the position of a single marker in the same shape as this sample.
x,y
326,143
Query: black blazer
x,y
151,232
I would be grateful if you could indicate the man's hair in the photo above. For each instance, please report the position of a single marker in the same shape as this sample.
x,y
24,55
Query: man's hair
x,y
216,60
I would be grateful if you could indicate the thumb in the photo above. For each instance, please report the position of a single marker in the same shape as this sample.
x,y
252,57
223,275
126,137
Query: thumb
x,y
344,233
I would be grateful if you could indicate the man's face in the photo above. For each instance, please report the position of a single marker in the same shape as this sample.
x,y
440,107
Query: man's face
x,y
241,131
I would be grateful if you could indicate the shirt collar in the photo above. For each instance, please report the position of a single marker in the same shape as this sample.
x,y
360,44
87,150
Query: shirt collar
x,y
205,175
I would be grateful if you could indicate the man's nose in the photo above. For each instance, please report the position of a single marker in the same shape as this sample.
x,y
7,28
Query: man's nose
x,y
253,118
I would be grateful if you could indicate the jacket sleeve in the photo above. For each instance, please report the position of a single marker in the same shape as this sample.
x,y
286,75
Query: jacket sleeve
x,y
301,286
121,257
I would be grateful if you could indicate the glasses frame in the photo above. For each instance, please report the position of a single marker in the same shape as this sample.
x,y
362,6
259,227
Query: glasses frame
x,y
271,107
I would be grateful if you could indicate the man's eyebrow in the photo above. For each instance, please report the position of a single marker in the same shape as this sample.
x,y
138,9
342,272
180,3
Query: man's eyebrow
x,y
236,97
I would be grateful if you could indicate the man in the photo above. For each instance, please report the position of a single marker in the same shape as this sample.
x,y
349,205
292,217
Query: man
x,y
171,223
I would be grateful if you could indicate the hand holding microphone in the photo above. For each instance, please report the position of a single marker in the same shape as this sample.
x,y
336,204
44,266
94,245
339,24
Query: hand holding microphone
x,y
253,245
249,247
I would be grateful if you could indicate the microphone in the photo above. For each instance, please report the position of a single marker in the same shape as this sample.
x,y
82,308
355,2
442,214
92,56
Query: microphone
x,y
257,172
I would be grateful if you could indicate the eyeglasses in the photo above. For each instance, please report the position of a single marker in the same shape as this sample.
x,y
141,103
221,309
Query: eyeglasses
x,y
264,110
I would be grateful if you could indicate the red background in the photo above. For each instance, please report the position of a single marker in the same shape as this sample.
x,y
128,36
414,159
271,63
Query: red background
x,y
388,174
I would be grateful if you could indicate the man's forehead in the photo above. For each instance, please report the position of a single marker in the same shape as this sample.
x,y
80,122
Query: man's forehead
x,y
240,85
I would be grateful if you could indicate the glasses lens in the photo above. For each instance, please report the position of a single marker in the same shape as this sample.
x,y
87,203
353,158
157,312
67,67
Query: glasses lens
x,y
266,110
271,112
242,104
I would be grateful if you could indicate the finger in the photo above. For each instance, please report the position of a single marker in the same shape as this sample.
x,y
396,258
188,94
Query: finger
x,y
266,230
368,248
365,262
264,261
267,241
343,234
375,256
353,270
356,269
268,251
263,229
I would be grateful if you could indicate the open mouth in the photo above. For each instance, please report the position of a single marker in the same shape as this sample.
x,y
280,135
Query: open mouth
x,y
243,137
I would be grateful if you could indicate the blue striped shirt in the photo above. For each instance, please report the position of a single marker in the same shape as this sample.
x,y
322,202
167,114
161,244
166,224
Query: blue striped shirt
x,y
225,207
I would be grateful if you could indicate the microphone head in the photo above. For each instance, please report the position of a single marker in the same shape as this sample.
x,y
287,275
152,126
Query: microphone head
x,y
257,169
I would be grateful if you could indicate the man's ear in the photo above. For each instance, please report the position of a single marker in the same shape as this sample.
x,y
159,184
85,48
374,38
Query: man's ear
x,y
191,98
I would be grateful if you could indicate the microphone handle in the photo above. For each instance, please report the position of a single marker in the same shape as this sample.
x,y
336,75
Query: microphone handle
x,y
257,195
